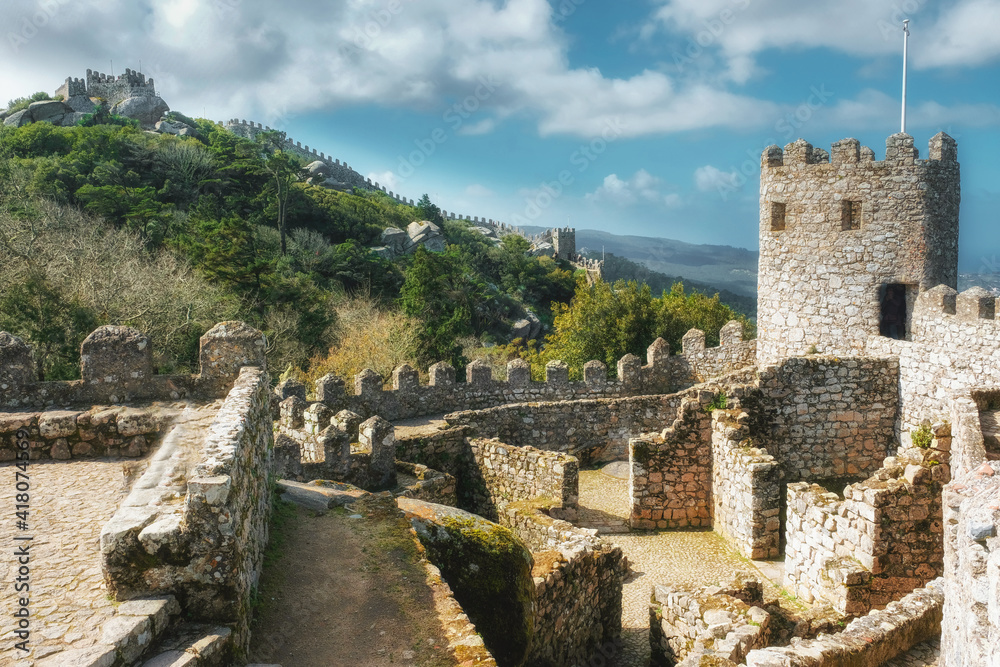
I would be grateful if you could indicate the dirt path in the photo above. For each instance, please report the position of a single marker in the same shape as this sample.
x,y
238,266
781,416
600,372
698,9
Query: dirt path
x,y
345,590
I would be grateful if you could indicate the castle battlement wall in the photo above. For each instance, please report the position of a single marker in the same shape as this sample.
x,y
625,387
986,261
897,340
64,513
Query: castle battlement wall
x,y
116,366
953,347
115,89
408,398
563,239
837,228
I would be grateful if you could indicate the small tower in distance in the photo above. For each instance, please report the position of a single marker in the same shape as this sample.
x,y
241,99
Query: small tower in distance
x,y
840,231
564,242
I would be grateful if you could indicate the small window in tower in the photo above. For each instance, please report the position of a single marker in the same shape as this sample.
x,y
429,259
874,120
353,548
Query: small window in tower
x,y
850,215
777,216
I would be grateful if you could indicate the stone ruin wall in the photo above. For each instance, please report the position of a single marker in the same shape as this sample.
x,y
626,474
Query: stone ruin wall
x,y
795,421
206,551
697,626
868,641
880,541
110,88
819,284
408,398
830,417
955,348
746,485
670,481
578,596
970,632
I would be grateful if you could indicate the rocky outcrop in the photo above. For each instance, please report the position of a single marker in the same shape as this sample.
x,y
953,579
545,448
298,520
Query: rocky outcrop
x,y
146,110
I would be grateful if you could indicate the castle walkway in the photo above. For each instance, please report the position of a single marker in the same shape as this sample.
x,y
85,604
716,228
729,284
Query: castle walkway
x,y
70,502
695,558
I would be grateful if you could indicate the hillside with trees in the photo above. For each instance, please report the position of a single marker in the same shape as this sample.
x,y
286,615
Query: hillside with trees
x,y
104,223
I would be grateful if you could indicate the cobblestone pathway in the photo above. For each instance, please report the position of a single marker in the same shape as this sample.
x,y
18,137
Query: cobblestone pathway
x,y
70,503
670,557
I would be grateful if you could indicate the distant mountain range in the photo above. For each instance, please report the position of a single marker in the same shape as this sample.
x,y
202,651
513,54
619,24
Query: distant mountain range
x,y
722,267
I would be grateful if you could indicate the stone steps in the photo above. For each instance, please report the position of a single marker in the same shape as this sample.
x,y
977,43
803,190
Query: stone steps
x,y
136,625
190,645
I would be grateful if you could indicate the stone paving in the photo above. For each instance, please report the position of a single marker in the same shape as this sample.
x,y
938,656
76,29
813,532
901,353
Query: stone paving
x,y
676,557
70,503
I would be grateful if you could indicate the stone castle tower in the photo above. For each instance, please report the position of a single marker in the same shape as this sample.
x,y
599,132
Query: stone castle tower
x,y
839,232
564,242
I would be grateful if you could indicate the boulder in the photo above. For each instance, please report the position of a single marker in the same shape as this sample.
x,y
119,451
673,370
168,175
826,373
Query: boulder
x,y
542,250
395,239
527,328
73,118
487,567
17,119
384,252
48,110
426,233
146,110
318,168
171,127
486,231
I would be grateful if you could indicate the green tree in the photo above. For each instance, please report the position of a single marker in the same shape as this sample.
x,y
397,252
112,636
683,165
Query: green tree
x,y
433,293
53,325
429,211
282,170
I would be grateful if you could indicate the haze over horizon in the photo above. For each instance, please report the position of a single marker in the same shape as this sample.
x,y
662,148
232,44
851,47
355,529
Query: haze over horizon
x,y
637,117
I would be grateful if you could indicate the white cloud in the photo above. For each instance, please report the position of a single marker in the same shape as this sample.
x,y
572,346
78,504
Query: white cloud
x,y
387,179
945,34
641,187
482,127
477,190
709,178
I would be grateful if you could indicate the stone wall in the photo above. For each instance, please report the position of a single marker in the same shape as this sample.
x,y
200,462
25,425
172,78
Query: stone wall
x,y
206,550
408,398
823,271
878,543
116,366
746,486
686,625
670,481
98,432
953,349
830,417
596,429
578,585
431,486
510,474
868,641
970,632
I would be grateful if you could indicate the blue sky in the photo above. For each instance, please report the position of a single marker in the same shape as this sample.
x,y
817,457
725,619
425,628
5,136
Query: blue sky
x,y
635,117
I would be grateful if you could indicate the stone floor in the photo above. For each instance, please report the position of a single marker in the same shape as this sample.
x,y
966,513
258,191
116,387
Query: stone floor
x,y
679,557
70,503
696,558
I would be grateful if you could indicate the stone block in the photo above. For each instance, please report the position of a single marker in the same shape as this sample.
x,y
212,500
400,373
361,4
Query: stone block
x,y
518,373
229,346
379,436
975,304
405,378
557,373
330,389
118,356
290,387
367,383
442,374
693,341
478,373
595,374
16,366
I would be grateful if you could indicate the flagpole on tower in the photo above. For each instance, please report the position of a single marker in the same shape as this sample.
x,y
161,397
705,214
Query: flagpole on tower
x,y
906,37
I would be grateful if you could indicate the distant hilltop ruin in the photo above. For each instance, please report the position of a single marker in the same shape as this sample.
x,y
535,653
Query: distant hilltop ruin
x,y
110,88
